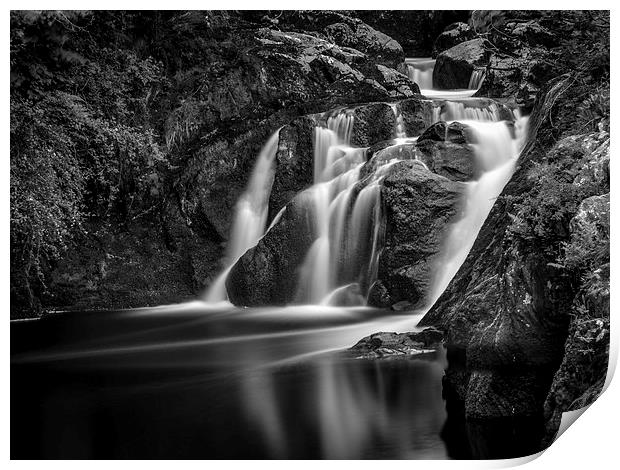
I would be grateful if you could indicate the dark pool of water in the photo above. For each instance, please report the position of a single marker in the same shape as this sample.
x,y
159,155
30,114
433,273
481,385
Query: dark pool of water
x,y
212,383
189,383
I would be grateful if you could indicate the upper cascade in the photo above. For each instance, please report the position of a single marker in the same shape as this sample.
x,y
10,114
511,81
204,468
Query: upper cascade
x,y
420,70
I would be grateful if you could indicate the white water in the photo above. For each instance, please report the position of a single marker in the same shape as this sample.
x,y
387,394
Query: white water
x,y
345,213
420,71
496,155
469,110
399,128
250,216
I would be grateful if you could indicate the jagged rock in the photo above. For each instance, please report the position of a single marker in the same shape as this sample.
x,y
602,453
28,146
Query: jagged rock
x,y
453,35
293,162
399,345
454,67
267,274
417,115
418,206
375,44
454,161
441,131
379,296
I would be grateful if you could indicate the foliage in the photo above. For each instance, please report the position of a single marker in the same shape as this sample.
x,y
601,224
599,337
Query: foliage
x,y
83,144
595,109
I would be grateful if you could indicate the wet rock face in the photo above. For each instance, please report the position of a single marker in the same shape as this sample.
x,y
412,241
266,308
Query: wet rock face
x,y
445,150
372,123
417,115
397,345
454,66
267,274
250,96
453,161
415,30
581,376
441,131
507,312
418,205
293,162
378,46
453,35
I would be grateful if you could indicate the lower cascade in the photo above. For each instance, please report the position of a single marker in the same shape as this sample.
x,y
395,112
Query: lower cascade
x,y
250,215
344,210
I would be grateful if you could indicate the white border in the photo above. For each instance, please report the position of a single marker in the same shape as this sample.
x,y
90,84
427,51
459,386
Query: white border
x,y
591,443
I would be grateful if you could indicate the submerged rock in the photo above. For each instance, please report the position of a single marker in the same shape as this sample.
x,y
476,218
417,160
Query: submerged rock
x,y
397,345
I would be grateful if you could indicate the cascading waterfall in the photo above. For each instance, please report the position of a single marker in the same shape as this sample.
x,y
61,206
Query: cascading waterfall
x,y
467,110
250,215
399,128
420,71
476,79
345,210
496,152
345,217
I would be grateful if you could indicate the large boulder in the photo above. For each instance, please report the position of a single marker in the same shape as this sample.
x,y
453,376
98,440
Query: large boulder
x,y
268,273
454,67
415,30
418,206
375,44
453,35
445,150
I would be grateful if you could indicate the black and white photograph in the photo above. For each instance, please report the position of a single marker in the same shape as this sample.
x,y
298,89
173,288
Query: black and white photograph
x,y
306,234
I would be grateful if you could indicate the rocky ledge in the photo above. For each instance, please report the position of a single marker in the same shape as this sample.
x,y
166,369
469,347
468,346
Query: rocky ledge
x,y
398,345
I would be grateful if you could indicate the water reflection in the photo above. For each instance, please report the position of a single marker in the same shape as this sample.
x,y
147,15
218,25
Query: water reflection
x,y
155,385
349,409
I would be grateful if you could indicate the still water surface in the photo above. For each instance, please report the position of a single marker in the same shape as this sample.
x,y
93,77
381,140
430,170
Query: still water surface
x,y
191,381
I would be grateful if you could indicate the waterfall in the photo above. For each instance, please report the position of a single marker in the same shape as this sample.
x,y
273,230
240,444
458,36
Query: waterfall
x,y
496,154
462,111
420,71
250,216
476,79
345,216
399,128
344,208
